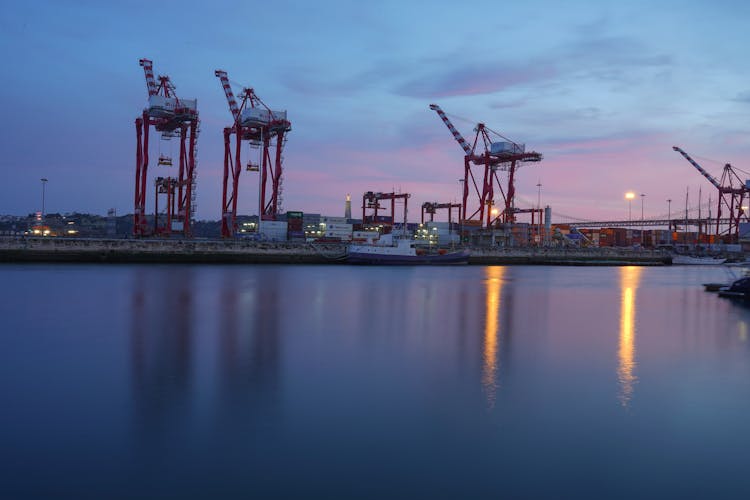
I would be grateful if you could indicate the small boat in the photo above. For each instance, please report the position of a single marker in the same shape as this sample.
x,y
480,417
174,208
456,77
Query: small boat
x,y
403,251
715,287
689,260
732,275
739,289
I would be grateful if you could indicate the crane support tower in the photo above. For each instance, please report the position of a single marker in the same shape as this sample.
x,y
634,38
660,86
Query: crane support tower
x,y
371,201
431,207
263,129
491,156
172,118
732,194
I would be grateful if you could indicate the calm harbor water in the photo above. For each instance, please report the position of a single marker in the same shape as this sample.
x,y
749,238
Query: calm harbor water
x,y
366,382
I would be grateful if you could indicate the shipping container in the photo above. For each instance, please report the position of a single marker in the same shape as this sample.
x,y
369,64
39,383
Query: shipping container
x,y
365,235
347,227
333,220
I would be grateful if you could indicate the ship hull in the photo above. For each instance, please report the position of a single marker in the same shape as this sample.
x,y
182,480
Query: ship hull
x,y
408,260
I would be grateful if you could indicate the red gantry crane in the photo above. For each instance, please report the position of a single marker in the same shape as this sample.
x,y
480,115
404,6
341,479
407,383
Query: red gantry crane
x,y
171,117
371,201
430,207
504,156
732,192
263,129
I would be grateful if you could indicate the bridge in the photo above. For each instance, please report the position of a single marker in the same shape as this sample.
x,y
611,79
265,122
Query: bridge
x,y
671,223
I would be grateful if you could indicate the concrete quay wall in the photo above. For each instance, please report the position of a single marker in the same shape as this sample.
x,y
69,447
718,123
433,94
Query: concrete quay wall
x,y
158,250
24,249
568,257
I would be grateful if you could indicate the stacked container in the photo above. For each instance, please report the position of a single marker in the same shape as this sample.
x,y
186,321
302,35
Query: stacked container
x,y
295,229
273,230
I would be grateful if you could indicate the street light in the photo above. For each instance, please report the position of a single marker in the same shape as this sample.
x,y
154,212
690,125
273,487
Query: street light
x,y
539,211
44,184
643,239
461,214
669,214
629,196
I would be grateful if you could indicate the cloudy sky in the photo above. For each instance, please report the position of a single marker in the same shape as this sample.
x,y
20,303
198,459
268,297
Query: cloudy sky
x,y
602,89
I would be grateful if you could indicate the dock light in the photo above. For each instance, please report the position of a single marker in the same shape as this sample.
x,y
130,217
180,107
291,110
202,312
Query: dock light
x,y
494,211
630,196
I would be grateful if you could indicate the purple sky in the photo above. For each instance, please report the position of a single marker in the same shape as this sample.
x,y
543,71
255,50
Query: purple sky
x,y
602,89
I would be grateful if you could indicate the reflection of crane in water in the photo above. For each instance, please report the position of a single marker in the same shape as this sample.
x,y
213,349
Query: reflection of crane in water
x,y
161,341
249,349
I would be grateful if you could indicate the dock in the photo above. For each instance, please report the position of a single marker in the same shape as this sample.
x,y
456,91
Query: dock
x,y
40,249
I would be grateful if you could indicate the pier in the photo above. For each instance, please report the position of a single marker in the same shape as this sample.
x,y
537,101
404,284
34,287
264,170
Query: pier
x,y
31,249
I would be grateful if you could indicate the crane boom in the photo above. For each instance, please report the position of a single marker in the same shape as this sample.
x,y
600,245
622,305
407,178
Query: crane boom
x,y
705,174
456,134
148,69
233,107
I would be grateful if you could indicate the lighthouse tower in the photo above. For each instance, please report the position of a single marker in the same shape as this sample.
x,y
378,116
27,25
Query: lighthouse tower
x,y
348,207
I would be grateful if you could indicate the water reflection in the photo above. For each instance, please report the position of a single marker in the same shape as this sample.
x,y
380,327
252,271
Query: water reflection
x,y
629,279
742,331
249,343
161,346
494,283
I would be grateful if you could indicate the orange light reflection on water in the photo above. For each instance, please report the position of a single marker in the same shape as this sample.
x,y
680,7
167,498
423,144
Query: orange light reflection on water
x,y
493,281
629,280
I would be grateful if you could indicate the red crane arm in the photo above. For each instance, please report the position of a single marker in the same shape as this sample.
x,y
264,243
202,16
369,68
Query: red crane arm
x,y
456,134
705,174
148,69
233,107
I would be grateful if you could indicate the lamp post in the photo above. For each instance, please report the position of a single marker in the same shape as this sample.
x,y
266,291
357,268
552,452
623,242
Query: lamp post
x,y
493,216
629,196
539,212
44,184
669,214
643,239
461,214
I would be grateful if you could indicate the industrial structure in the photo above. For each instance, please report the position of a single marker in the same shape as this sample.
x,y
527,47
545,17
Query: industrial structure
x,y
732,195
491,156
371,201
172,118
431,207
482,218
261,128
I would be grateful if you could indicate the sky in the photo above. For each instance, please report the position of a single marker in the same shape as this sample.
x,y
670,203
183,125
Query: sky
x,y
602,89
